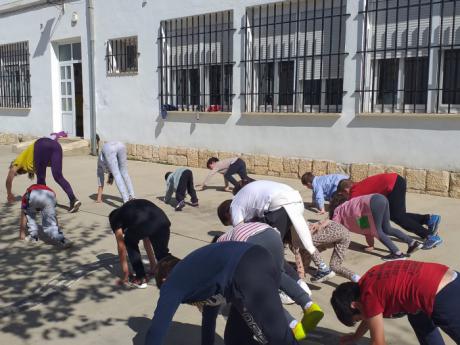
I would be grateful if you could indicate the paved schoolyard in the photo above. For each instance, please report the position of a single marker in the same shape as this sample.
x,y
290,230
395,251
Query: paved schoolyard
x,y
51,296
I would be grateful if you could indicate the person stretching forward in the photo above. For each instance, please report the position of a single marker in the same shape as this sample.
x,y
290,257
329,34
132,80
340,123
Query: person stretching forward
x,y
428,293
41,199
243,274
137,220
278,205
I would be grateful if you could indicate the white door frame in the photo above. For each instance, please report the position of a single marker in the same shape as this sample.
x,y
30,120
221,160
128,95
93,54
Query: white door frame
x,y
66,79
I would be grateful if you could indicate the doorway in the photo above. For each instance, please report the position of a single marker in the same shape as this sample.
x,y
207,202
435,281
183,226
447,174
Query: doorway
x,y
71,88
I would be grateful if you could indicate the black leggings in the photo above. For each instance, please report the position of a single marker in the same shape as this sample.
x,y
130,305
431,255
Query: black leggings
x,y
186,185
256,307
412,222
159,240
238,167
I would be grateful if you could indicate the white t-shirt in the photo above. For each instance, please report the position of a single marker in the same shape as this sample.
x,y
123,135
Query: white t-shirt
x,y
254,199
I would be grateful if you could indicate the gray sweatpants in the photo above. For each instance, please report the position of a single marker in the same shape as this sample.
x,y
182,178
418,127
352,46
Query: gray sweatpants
x,y
44,202
381,213
114,158
270,239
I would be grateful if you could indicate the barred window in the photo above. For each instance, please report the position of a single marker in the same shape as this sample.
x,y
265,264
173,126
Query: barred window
x,y
410,56
196,62
294,55
15,75
121,56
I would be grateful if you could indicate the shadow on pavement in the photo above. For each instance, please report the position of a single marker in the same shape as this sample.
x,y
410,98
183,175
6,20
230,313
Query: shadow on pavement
x,y
33,274
111,200
178,334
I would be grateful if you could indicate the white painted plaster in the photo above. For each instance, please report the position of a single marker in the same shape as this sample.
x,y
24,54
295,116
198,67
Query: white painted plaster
x,y
128,106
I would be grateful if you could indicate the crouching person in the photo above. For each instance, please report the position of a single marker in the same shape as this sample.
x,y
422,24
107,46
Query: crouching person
x,y
428,293
243,274
137,220
41,199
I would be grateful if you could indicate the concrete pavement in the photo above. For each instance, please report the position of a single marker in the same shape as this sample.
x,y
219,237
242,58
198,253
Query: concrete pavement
x,y
52,296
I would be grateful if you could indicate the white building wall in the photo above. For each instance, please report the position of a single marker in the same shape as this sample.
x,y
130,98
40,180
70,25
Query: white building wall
x,y
128,106
44,26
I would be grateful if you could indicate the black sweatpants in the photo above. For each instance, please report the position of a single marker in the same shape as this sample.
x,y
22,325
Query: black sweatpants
x,y
237,167
256,307
280,220
186,186
412,222
159,239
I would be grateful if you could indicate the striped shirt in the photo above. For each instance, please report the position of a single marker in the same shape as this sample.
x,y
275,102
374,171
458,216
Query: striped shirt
x,y
243,231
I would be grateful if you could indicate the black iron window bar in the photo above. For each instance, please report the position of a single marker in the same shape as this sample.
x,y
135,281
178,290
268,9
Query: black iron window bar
x,y
196,62
410,56
121,56
15,75
294,53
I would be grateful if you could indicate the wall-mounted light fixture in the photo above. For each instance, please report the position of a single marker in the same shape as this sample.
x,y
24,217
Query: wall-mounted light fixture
x,y
74,19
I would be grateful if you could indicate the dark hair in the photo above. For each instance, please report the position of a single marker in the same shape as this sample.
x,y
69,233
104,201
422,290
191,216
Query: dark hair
x,y
98,138
341,300
343,185
307,178
211,160
223,212
114,223
337,200
240,184
167,175
164,268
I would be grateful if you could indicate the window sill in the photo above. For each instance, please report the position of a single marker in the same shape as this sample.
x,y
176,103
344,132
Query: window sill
x,y
15,109
418,116
199,113
312,115
121,74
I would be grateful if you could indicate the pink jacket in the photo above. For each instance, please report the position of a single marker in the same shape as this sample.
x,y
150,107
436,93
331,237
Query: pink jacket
x,y
356,215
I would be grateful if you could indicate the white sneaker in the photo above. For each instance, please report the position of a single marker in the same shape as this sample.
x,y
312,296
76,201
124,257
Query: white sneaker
x,y
30,238
285,299
305,287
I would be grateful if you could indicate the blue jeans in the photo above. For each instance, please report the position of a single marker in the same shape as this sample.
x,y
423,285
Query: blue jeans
x,y
446,315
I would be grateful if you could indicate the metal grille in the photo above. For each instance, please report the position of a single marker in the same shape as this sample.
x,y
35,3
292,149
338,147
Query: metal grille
x,y
294,55
196,62
410,56
121,55
15,75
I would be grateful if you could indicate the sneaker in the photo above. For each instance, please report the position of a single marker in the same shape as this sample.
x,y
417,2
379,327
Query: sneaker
x,y
414,247
285,299
394,256
433,224
432,242
299,333
322,276
305,287
74,206
195,204
137,283
311,317
180,205
30,238
64,243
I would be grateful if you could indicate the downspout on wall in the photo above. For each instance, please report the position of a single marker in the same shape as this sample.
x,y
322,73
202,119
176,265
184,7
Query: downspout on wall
x,y
92,84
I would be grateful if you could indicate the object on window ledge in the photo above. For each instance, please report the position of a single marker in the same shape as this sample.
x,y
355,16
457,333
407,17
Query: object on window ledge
x,y
214,108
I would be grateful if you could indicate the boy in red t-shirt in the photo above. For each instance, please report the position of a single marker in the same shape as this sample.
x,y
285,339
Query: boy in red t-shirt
x,y
394,187
428,293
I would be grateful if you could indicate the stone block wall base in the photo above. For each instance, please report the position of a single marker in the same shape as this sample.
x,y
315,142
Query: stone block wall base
x,y
434,182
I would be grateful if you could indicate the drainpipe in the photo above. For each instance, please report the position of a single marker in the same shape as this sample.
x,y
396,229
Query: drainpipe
x,y
92,84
